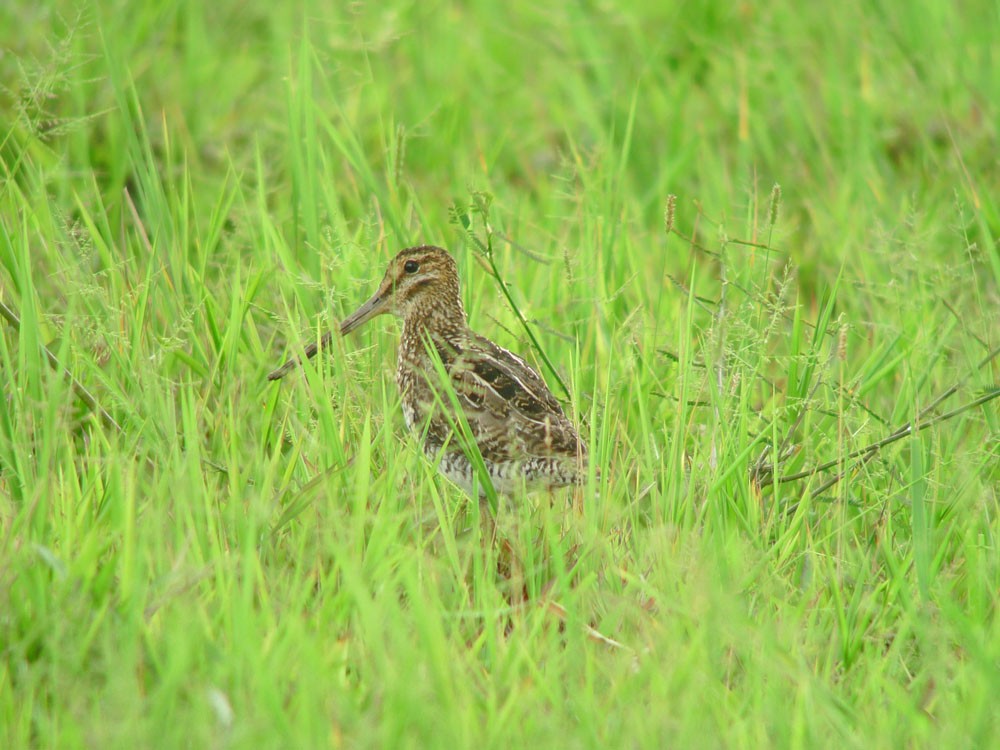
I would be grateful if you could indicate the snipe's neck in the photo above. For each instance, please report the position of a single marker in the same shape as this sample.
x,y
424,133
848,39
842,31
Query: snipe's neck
x,y
440,315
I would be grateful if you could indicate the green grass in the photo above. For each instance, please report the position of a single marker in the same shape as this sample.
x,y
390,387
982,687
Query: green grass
x,y
191,192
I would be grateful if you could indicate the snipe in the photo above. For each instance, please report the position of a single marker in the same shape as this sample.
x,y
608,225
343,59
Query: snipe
x,y
522,433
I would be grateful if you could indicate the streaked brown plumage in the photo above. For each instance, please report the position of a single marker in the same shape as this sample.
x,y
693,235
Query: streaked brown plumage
x,y
520,429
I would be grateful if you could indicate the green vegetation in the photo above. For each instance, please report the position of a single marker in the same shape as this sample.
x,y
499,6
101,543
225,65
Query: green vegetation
x,y
190,192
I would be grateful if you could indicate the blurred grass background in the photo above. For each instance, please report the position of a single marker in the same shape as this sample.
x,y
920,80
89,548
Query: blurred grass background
x,y
189,193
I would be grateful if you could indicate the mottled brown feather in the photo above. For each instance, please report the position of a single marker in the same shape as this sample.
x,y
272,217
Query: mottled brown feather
x,y
518,425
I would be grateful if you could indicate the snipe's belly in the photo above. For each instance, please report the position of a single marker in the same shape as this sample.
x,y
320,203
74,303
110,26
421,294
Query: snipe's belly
x,y
509,476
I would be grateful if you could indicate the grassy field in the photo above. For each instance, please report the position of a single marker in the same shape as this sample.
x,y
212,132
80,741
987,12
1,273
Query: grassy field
x,y
191,556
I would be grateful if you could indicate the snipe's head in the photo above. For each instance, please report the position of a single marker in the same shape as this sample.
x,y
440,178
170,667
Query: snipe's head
x,y
420,285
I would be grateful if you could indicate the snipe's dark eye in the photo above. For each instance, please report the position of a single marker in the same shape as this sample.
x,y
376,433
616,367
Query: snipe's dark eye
x,y
411,266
